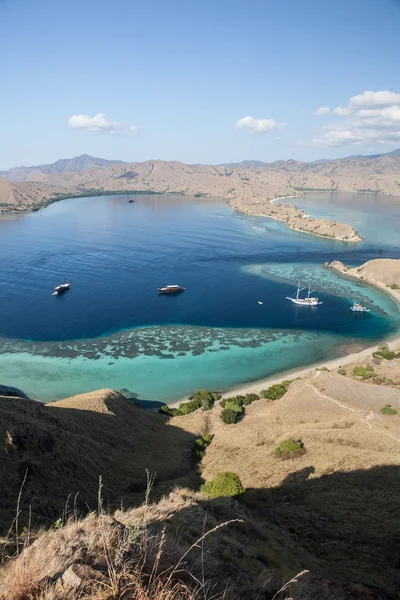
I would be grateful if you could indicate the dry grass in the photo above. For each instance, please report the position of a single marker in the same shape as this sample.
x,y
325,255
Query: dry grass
x,y
63,448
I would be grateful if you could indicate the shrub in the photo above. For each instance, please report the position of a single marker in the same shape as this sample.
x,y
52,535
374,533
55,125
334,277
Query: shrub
x,y
232,405
290,449
274,392
359,371
185,408
229,416
249,398
205,399
237,400
388,410
342,371
223,485
200,445
386,354
369,368
166,410
395,286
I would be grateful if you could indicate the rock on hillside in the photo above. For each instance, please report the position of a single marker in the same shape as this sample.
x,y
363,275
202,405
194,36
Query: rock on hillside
x,y
64,447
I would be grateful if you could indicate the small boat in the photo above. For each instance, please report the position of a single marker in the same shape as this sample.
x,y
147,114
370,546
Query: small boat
x,y
131,201
308,301
60,289
259,302
359,308
171,289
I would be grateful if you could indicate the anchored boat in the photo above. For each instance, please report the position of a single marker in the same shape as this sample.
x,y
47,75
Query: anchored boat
x,y
171,289
60,289
308,301
359,308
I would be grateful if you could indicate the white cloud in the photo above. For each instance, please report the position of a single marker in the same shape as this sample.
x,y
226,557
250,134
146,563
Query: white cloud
x,y
99,123
252,125
323,110
341,111
134,129
369,98
369,118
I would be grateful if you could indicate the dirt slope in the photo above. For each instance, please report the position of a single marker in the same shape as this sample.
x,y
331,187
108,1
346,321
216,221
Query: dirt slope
x,y
64,447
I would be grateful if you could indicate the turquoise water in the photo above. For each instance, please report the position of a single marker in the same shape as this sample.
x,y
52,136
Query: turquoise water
x,y
113,330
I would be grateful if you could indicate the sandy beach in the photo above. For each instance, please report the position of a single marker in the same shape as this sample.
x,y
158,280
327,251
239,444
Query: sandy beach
x,y
335,363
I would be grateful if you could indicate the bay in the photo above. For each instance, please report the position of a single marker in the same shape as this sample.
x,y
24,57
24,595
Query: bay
x,y
112,329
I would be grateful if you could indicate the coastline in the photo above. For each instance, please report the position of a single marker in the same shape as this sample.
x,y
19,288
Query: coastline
x,y
334,363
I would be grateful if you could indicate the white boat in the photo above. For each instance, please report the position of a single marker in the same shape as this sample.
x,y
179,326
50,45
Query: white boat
x,y
308,301
60,289
359,308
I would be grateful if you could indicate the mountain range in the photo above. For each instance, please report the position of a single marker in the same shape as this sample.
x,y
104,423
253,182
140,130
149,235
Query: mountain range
x,y
247,185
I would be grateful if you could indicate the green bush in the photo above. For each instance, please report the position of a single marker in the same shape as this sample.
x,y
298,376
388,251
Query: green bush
x,y
395,286
359,371
185,408
205,398
388,410
237,400
249,398
342,371
232,405
386,354
166,410
229,416
274,392
223,485
290,449
370,368
200,445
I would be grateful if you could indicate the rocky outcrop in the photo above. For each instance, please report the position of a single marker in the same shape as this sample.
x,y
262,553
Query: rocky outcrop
x,y
381,272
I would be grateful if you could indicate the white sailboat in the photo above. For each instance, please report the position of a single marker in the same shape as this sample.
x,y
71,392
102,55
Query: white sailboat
x,y
308,301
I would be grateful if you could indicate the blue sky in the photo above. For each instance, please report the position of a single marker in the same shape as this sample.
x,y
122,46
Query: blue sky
x,y
206,81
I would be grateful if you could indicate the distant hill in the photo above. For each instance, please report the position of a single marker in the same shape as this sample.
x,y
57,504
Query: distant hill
x,y
76,164
251,164
248,186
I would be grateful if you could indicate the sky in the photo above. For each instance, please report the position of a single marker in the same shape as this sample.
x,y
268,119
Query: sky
x,y
200,81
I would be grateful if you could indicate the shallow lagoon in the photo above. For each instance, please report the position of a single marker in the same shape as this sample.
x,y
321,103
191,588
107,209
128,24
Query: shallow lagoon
x,y
113,330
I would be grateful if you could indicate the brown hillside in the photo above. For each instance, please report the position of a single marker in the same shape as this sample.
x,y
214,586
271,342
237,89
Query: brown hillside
x,y
338,502
64,447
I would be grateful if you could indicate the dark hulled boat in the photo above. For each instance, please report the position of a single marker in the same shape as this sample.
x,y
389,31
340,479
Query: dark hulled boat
x,y
171,289
60,289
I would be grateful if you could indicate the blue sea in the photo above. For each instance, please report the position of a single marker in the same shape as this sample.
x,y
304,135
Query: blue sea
x,y
112,329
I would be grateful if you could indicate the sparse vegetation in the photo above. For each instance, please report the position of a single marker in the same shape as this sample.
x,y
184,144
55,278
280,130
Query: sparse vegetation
x,y
249,398
200,446
274,392
205,398
185,408
290,448
342,371
363,372
166,410
237,400
385,353
388,410
395,286
230,415
223,485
